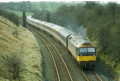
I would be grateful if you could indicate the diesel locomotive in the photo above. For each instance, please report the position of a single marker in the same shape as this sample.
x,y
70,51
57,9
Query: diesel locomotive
x,y
83,51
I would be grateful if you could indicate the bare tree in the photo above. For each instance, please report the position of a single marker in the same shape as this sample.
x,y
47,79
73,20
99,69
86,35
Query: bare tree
x,y
113,9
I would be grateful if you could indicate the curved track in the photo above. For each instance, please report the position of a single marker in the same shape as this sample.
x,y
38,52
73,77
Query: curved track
x,y
57,70
56,54
62,71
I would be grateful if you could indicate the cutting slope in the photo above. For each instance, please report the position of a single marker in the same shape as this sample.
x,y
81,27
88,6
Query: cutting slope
x,y
18,40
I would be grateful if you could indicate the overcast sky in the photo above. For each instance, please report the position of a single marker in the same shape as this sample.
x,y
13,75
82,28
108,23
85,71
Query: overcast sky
x,y
105,1
118,1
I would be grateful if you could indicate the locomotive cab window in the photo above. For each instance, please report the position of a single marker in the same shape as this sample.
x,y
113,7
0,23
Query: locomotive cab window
x,y
83,50
87,50
91,50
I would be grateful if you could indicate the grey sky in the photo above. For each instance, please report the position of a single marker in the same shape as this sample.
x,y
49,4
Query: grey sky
x,y
105,1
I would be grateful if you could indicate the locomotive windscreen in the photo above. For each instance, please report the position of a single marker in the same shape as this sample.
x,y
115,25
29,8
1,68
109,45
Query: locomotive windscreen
x,y
87,50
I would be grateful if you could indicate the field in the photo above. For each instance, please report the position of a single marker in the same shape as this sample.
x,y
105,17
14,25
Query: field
x,y
19,13
19,41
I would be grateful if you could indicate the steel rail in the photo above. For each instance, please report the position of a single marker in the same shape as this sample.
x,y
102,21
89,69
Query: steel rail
x,y
84,75
58,54
97,76
57,72
64,61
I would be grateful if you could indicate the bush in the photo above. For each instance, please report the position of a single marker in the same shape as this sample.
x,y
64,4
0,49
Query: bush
x,y
12,63
10,16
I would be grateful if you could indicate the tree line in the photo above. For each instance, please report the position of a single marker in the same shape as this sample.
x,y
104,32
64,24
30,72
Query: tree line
x,y
101,22
33,6
10,16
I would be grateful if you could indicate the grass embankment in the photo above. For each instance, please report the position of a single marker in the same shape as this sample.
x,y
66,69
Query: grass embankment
x,y
18,40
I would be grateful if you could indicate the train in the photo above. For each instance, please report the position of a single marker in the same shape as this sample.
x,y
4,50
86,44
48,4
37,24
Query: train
x,y
83,51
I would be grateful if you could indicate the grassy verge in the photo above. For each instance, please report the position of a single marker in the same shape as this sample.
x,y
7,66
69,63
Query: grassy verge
x,y
111,66
18,40
107,64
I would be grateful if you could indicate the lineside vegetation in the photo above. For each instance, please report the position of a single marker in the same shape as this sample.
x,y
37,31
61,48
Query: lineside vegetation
x,y
20,58
102,25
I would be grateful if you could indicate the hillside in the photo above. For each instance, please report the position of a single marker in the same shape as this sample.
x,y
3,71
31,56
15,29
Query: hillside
x,y
19,42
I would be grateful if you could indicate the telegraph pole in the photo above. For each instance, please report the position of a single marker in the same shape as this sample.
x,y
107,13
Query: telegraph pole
x,y
24,19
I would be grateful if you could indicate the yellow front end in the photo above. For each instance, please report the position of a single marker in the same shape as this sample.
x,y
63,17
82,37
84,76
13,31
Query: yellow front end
x,y
86,58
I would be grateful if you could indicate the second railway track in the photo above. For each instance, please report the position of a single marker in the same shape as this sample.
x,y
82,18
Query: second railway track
x,y
62,71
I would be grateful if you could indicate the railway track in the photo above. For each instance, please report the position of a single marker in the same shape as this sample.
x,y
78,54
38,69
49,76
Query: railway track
x,y
62,71
57,70
57,66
